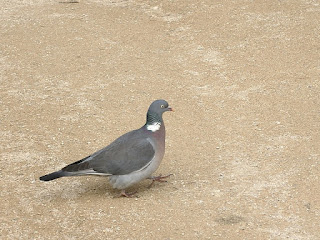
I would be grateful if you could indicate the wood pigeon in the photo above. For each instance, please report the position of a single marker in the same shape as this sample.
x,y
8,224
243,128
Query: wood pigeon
x,y
130,158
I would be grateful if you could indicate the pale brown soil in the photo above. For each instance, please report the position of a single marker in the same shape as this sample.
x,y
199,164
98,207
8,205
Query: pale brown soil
x,y
243,143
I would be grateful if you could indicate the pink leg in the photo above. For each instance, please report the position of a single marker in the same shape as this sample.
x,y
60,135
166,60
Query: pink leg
x,y
158,179
128,195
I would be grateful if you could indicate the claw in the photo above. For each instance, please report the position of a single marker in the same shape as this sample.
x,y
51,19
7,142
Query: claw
x,y
128,195
158,179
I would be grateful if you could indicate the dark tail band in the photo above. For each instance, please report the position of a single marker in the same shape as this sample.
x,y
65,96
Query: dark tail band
x,y
52,176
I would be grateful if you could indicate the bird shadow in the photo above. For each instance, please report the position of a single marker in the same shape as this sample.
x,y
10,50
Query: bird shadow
x,y
85,188
137,191
67,2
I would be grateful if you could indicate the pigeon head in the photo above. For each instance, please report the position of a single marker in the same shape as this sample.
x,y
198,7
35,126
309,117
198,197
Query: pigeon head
x,y
159,107
156,109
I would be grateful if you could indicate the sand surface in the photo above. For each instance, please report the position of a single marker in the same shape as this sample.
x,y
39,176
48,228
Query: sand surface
x,y
243,143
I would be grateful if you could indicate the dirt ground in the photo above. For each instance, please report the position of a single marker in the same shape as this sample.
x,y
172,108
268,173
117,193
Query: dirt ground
x,y
243,143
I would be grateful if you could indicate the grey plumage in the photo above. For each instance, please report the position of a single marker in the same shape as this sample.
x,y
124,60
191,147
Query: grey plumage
x,y
130,158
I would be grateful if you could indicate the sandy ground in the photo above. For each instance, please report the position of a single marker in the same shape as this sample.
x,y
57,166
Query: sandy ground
x,y
243,144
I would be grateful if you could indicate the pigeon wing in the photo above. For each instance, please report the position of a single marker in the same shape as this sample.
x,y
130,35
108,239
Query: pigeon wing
x,y
129,153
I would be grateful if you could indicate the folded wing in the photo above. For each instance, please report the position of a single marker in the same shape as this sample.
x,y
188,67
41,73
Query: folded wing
x,y
129,153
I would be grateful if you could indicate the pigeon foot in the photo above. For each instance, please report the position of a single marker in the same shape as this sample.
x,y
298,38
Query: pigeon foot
x,y
159,178
128,195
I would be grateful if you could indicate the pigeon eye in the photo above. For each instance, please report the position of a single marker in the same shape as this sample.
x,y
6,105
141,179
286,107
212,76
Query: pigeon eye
x,y
162,106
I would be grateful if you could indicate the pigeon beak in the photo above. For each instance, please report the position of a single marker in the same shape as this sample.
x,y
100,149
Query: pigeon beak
x,y
170,109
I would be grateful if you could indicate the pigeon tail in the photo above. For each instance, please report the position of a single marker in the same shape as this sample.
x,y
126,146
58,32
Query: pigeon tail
x,y
53,176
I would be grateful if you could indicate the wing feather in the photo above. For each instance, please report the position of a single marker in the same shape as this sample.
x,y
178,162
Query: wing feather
x,y
129,153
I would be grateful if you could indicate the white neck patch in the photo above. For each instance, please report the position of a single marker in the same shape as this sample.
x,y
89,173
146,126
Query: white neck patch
x,y
154,126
